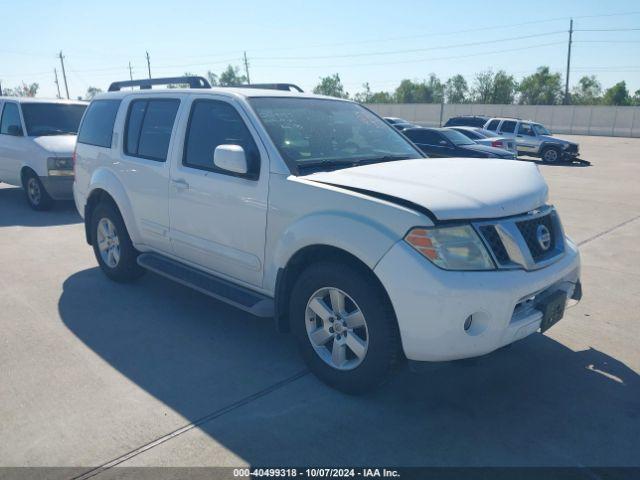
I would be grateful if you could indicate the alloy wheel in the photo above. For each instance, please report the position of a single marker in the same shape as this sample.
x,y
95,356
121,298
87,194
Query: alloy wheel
x,y
336,328
108,242
33,191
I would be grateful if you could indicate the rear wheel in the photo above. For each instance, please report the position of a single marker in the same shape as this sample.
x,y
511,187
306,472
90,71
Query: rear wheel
x,y
112,245
551,154
345,327
37,196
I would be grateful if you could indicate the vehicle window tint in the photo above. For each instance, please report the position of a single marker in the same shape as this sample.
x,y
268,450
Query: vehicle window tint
x,y
508,126
149,126
10,117
493,125
423,136
470,134
526,129
214,123
97,124
47,119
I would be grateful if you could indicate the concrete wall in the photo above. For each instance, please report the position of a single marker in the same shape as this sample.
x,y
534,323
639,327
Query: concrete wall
x,y
571,119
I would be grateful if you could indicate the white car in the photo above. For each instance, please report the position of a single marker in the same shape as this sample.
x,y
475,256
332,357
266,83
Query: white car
x,y
37,138
316,212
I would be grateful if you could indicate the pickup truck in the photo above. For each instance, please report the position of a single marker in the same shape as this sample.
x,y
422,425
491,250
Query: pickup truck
x,y
534,139
317,213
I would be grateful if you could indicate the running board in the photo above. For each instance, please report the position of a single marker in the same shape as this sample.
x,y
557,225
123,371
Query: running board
x,y
223,290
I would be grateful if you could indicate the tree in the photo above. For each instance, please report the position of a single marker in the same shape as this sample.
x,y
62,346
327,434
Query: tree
x,y
494,87
617,95
456,89
23,90
367,96
331,86
541,88
231,76
213,78
430,91
587,91
92,92
635,100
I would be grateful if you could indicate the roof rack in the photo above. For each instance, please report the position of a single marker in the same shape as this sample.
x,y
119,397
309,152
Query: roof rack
x,y
145,84
288,87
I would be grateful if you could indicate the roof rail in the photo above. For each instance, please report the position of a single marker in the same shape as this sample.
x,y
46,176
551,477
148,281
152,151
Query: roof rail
x,y
288,87
145,84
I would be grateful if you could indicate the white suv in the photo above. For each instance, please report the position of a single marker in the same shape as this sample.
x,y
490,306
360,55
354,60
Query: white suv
x,y
37,138
316,212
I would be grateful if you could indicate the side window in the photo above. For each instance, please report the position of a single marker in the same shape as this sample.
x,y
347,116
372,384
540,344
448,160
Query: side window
x,y
148,128
493,125
10,118
97,124
508,126
426,137
213,123
526,129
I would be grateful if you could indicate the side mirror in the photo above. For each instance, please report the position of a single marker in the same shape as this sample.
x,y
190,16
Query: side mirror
x,y
15,130
230,158
444,143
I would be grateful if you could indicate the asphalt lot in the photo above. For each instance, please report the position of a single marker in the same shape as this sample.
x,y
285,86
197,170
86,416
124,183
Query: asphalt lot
x,y
93,372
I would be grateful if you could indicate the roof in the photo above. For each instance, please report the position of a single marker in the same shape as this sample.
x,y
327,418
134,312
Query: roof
x,y
225,91
44,100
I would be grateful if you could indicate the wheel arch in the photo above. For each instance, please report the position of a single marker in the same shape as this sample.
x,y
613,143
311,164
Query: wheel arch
x,y
299,261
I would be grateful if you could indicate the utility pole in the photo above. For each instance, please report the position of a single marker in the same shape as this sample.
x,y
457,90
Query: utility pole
x,y
0,88
246,68
130,71
566,84
55,72
64,74
148,64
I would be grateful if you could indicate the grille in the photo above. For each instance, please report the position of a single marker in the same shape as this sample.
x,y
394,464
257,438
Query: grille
x,y
572,149
528,229
495,244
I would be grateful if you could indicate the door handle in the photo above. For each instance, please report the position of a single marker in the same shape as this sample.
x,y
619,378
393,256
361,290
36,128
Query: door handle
x,y
180,184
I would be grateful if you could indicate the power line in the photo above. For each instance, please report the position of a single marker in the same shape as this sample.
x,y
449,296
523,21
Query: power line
x,y
607,30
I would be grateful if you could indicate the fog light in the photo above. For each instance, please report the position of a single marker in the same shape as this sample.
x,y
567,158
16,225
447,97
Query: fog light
x,y
467,322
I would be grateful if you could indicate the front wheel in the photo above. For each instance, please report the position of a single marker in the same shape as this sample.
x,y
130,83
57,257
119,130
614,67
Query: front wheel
x,y
37,196
344,326
551,154
112,245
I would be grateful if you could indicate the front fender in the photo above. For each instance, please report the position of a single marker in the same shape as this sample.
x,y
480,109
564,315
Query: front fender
x,y
358,235
106,180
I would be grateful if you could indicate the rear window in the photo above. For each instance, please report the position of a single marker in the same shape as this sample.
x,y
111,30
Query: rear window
x,y
149,126
97,124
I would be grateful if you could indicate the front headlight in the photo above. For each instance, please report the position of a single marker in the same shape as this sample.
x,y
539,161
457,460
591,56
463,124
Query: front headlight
x,y
60,166
452,248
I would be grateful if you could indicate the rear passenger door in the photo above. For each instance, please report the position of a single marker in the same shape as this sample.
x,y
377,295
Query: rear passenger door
x,y
508,128
146,144
218,218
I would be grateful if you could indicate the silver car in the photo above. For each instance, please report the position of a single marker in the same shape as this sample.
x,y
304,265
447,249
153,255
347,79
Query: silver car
x,y
534,139
486,137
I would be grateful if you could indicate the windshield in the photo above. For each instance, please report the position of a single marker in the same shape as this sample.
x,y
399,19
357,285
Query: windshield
x,y
457,138
51,118
312,131
540,130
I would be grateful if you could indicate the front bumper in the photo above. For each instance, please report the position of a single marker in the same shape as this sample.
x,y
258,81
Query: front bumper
x,y
58,187
432,305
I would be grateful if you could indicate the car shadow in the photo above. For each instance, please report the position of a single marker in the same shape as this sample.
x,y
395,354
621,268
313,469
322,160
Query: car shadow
x,y
579,162
14,211
536,403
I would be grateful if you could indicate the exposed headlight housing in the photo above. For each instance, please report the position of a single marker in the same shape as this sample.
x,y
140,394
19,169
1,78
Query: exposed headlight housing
x,y
451,248
60,166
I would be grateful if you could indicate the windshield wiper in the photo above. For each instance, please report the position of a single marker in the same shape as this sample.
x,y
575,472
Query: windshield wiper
x,y
381,159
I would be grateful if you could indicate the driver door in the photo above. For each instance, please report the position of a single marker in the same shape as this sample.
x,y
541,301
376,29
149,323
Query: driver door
x,y
526,139
218,218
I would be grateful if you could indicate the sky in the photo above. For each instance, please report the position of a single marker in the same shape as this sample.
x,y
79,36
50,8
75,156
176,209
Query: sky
x,y
379,42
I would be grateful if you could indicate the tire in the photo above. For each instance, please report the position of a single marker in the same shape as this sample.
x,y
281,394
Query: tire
x,y
551,154
37,196
377,341
112,245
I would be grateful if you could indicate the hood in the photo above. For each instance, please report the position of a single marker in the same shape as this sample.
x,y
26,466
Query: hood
x,y
61,145
549,138
486,149
450,188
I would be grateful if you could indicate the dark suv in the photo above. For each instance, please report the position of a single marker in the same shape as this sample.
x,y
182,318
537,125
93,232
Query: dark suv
x,y
467,121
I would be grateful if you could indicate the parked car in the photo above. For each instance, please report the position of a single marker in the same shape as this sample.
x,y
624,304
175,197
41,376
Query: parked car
x,y
467,121
314,211
37,138
394,120
534,139
446,142
486,137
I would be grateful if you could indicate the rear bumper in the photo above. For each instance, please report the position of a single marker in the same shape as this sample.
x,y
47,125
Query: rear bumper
x,y
431,304
59,188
